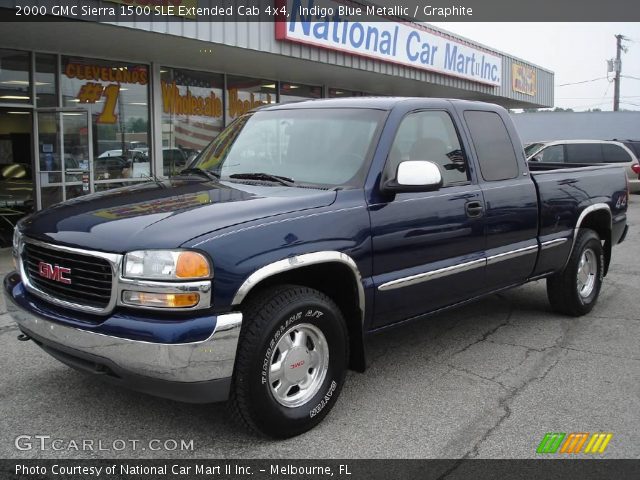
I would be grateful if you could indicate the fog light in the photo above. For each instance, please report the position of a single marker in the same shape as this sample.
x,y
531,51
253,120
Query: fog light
x,y
161,300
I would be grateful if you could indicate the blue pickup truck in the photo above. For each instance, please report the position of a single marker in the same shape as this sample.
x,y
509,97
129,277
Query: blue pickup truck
x,y
257,274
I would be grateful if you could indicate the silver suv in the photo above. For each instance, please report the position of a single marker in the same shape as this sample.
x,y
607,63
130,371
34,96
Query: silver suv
x,y
588,152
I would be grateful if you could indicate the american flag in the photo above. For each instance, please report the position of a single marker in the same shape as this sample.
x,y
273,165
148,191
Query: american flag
x,y
194,131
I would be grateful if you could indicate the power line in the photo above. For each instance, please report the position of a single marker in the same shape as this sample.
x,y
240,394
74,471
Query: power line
x,y
593,98
592,105
630,76
584,81
606,90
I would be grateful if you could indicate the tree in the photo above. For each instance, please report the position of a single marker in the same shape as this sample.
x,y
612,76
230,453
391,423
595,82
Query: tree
x,y
135,125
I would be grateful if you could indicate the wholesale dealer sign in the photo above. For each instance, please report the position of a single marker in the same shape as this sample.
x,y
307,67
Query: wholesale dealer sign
x,y
335,26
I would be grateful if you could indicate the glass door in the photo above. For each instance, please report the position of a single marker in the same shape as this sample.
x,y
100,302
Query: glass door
x,y
64,151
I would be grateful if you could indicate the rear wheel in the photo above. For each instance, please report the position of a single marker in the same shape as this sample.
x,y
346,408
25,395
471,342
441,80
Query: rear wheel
x,y
291,361
575,290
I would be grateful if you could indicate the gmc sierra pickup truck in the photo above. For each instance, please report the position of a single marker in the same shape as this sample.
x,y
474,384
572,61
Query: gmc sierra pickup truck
x,y
256,275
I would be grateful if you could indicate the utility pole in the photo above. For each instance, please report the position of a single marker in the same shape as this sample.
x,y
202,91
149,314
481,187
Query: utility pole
x,y
617,68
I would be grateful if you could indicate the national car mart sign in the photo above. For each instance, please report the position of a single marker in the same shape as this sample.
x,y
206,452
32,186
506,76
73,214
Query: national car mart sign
x,y
327,24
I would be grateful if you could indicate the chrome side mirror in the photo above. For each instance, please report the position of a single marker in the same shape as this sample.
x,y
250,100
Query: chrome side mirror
x,y
415,176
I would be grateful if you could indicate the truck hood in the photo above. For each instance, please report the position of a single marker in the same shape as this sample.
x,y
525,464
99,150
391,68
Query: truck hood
x,y
164,214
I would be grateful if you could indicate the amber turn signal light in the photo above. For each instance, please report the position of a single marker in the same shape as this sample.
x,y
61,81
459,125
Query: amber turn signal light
x,y
160,300
192,265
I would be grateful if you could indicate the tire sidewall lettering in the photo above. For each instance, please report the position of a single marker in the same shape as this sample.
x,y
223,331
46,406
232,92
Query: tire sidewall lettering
x,y
324,401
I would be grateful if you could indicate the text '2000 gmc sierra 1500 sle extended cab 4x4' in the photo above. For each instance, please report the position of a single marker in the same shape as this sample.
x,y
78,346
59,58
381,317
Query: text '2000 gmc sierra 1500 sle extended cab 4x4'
x,y
256,274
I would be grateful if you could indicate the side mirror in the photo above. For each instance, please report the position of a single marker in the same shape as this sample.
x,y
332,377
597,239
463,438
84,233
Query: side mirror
x,y
414,176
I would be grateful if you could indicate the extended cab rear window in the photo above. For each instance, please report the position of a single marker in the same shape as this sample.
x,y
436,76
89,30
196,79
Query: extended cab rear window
x,y
494,149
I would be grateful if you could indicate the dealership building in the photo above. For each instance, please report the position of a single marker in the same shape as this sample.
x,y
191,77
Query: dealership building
x,y
87,106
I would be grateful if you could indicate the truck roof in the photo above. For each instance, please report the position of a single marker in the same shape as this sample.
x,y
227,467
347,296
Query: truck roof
x,y
381,103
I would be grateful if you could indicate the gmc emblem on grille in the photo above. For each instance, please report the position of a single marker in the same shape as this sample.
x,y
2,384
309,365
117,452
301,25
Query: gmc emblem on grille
x,y
54,272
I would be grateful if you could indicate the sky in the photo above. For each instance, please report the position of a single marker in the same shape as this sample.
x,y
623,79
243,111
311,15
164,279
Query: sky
x,y
575,52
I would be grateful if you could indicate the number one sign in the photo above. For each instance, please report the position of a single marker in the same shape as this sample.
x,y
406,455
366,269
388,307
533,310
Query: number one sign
x,y
91,92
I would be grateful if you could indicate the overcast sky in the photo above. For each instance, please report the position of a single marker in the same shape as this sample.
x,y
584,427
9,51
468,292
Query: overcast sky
x,y
575,52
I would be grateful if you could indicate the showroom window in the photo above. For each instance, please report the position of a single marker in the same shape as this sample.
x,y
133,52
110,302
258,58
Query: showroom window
x,y
244,94
46,80
116,97
192,114
15,85
341,92
16,168
294,92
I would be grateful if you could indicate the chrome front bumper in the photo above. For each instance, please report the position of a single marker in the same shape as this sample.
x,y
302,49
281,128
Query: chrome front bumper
x,y
202,361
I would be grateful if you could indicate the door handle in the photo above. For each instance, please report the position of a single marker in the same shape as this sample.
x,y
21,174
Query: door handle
x,y
474,209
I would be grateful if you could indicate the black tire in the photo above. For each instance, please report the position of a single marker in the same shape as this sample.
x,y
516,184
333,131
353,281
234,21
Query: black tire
x,y
563,287
267,319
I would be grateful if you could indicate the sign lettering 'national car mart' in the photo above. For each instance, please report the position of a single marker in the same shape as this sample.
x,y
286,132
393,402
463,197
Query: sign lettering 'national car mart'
x,y
321,23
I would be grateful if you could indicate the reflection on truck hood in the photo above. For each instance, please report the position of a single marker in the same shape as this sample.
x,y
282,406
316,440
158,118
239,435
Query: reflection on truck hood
x,y
164,214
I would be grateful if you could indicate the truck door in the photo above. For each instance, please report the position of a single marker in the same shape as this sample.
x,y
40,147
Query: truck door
x,y
510,198
428,247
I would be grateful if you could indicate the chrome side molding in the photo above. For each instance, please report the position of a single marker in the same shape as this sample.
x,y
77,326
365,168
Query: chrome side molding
x,y
463,267
511,254
553,243
432,275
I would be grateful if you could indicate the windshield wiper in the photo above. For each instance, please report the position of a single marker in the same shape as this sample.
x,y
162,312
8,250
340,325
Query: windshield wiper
x,y
199,171
286,181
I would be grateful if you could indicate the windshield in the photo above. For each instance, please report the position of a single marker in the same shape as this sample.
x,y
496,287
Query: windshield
x,y
324,147
532,148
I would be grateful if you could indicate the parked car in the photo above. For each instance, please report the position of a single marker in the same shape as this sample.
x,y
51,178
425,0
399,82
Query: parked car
x,y
128,153
173,160
257,275
634,146
589,152
110,167
111,153
531,148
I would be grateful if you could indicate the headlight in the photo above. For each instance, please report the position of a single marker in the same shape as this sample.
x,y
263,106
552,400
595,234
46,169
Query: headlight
x,y
166,265
15,249
16,238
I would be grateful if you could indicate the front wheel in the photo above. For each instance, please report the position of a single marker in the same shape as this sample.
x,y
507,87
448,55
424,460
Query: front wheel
x,y
575,290
291,361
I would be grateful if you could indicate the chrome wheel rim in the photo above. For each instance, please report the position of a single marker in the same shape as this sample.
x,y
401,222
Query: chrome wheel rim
x,y
298,365
587,270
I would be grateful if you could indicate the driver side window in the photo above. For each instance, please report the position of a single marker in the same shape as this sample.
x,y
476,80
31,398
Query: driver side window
x,y
430,135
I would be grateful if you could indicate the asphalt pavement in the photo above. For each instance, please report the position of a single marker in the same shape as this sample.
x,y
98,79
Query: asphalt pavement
x,y
487,380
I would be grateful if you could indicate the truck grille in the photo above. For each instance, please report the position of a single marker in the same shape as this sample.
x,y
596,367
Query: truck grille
x,y
88,281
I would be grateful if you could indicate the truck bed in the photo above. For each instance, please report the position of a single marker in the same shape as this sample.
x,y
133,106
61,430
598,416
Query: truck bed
x,y
565,192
